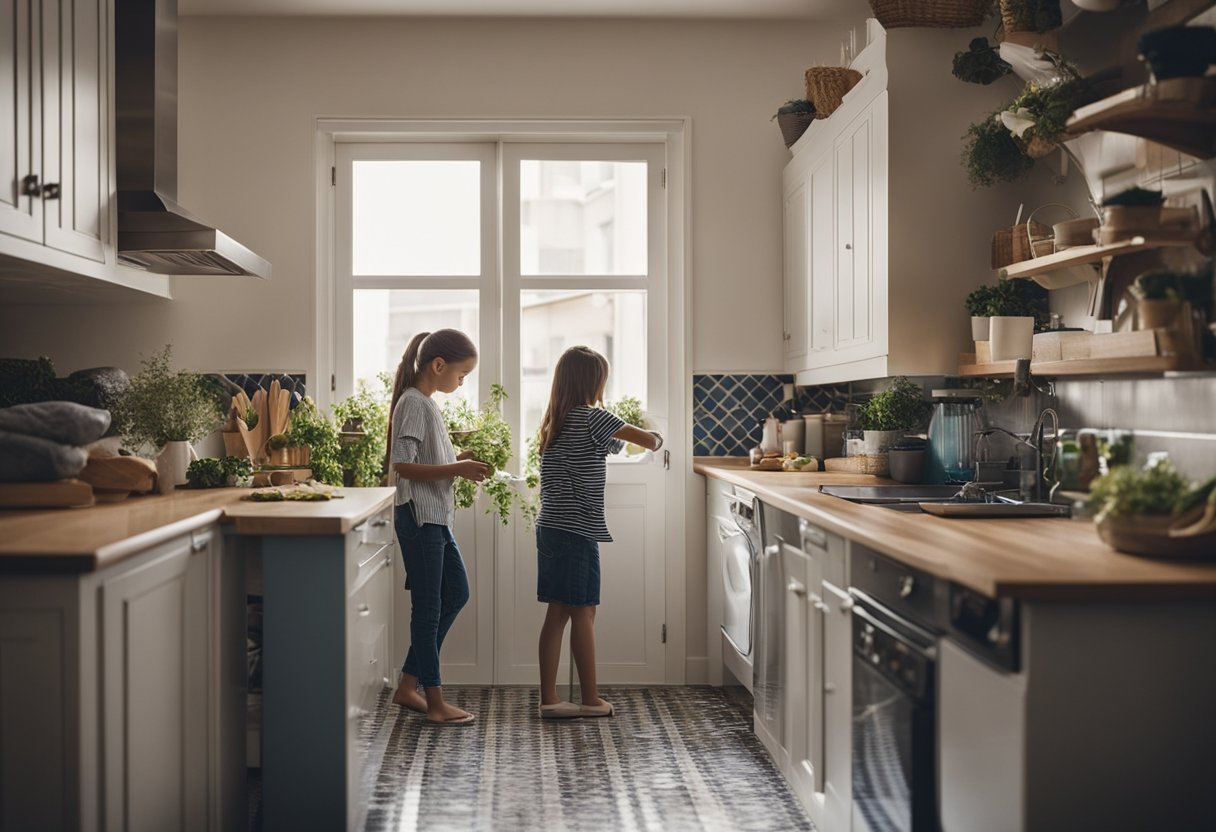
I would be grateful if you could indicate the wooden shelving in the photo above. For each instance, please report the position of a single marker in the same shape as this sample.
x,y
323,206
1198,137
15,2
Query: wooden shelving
x,y
1140,365
1177,113
1071,258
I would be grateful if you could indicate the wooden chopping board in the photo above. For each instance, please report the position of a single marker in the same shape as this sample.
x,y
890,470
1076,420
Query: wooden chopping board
x,y
58,494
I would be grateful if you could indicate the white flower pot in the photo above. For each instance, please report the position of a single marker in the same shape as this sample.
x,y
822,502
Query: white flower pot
x,y
879,441
979,327
1012,337
171,466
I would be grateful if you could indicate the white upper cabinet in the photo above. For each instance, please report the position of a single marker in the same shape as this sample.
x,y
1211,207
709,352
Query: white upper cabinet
x,y
864,268
56,162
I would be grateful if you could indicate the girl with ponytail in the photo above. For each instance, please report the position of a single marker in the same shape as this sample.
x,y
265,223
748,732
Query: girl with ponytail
x,y
421,455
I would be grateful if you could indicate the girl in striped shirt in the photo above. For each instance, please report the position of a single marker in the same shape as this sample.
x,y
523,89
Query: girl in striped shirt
x,y
421,455
575,438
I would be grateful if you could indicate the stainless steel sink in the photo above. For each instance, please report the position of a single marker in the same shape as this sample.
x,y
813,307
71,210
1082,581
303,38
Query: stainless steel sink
x,y
890,494
942,500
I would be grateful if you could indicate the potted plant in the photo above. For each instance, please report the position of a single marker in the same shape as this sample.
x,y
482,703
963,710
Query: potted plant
x,y
487,436
1038,117
1178,51
1015,309
163,411
1135,507
980,64
978,303
1133,212
311,429
793,117
362,460
887,416
992,155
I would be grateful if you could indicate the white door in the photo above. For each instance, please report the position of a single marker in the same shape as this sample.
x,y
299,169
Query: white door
x,y
584,262
583,248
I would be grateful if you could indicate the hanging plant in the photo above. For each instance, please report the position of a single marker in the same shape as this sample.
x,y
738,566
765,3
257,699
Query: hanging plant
x,y
991,154
487,436
980,64
1038,118
1031,15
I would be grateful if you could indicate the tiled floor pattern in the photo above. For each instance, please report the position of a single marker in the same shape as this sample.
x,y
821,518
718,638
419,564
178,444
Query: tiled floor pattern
x,y
672,759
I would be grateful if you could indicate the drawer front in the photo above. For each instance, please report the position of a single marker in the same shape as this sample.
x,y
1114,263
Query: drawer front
x,y
367,639
369,545
827,548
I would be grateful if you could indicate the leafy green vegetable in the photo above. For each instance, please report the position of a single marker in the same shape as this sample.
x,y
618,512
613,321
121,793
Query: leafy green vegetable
x,y
163,406
992,155
1018,298
1125,491
980,64
900,407
311,428
1050,105
214,473
251,417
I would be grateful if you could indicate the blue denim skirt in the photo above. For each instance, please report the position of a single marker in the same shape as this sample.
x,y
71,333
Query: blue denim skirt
x,y
567,568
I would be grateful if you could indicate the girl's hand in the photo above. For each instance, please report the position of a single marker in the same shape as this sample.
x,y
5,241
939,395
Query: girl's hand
x,y
473,470
465,455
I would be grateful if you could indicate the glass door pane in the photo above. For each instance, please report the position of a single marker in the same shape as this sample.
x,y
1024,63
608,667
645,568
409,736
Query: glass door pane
x,y
416,217
582,217
386,319
613,323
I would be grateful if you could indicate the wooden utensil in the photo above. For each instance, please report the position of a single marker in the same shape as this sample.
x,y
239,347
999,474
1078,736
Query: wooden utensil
x,y
255,437
58,494
120,473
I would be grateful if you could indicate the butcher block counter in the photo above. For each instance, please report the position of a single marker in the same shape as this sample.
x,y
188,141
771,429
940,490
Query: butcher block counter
x,y
88,539
1044,559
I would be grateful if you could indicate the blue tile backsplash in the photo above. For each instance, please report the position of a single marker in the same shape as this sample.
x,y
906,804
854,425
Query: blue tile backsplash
x,y
728,409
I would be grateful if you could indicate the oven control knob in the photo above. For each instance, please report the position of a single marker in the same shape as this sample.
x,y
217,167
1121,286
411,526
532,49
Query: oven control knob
x,y
906,584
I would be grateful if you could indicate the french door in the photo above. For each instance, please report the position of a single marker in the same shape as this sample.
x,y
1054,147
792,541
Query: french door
x,y
530,248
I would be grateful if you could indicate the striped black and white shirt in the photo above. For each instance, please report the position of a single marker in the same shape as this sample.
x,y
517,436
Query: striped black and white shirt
x,y
573,471
421,436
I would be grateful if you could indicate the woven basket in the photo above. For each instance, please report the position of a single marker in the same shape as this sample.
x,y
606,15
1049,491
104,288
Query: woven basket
x,y
793,125
1012,245
1039,147
1028,15
827,85
934,14
876,464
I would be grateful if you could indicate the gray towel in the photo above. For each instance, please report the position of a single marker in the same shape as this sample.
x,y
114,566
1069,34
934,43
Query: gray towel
x,y
65,422
33,459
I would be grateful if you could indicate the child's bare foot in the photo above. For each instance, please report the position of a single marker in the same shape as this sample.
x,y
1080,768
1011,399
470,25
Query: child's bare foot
x,y
448,714
408,697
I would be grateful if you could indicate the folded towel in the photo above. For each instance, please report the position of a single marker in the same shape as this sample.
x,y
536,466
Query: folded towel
x,y
64,422
33,459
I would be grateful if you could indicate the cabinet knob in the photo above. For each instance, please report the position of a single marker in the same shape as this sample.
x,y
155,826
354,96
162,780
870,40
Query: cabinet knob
x,y
380,522
29,186
796,588
364,609
848,246
50,190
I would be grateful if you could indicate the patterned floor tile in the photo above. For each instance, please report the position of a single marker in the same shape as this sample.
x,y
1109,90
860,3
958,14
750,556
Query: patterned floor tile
x,y
672,759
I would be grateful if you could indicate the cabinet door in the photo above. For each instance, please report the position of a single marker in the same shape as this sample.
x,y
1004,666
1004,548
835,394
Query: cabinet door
x,y
854,312
796,271
21,139
804,657
155,625
836,784
822,256
75,116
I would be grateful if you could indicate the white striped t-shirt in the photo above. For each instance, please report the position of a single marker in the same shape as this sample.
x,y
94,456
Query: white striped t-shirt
x,y
421,436
573,471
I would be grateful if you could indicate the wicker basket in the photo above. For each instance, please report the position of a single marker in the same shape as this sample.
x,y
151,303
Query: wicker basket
x,y
793,125
827,85
934,14
876,464
1013,245
1030,15
1039,147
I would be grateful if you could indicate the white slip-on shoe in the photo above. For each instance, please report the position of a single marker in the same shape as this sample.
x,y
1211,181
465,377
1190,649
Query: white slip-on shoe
x,y
560,710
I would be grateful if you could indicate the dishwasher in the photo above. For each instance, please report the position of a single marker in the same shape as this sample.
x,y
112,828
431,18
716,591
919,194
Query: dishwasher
x,y
769,680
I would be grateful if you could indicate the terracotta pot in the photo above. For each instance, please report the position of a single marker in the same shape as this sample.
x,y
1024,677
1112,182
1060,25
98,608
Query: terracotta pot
x,y
1132,220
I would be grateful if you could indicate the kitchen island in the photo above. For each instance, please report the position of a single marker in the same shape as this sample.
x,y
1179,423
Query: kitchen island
x,y
1065,685
123,631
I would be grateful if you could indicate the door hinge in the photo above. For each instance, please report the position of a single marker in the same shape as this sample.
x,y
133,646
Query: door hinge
x,y
333,176
663,636
663,178
666,460
333,382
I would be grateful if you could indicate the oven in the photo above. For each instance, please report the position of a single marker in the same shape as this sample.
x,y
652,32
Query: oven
x,y
894,695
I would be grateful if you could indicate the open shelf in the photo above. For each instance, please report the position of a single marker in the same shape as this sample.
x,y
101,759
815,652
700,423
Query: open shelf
x,y
1139,365
1084,255
1177,113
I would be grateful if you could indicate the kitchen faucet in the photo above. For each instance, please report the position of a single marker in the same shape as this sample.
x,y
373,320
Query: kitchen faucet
x,y
1037,489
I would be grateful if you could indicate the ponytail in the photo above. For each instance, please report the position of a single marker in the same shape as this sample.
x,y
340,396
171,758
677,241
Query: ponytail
x,y
449,344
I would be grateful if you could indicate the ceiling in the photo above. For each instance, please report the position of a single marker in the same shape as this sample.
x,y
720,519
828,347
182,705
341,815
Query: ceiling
x,y
736,9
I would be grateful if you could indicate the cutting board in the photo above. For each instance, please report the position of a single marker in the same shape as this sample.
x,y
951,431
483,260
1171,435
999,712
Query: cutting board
x,y
58,494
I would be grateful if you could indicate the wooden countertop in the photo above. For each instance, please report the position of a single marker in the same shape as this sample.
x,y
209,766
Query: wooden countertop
x,y
1039,559
85,539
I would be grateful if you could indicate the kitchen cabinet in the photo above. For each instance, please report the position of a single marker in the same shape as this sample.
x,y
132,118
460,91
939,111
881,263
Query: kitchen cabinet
x,y
884,237
57,162
804,671
120,701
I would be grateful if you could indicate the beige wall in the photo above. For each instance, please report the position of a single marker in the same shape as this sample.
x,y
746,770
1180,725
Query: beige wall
x,y
250,90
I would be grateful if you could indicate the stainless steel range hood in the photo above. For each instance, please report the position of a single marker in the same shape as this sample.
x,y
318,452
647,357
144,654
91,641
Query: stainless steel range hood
x,y
154,232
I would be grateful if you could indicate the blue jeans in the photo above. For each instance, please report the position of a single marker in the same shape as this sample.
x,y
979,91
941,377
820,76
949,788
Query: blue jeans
x,y
439,588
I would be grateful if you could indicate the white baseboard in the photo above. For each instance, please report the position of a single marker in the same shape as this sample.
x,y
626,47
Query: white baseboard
x,y
696,670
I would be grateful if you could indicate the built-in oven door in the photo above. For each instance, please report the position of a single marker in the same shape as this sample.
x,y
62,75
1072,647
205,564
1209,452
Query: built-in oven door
x,y
894,752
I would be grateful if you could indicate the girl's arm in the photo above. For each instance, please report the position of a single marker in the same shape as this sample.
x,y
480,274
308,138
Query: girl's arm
x,y
470,469
645,438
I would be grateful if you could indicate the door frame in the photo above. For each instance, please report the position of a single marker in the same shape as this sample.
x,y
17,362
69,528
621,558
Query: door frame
x,y
675,134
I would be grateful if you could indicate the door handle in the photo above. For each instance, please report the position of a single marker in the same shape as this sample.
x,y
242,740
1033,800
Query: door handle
x,y
30,186
771,549
796,588
50,190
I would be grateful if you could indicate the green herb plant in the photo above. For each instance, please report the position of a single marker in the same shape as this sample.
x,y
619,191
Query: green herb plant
x,y
1156,489
215,473
979,301
900,407
629,410
162,406
1195,287
1136,197
364,458
980,64
992,155
1050,105
311,428
1018,298
489,441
